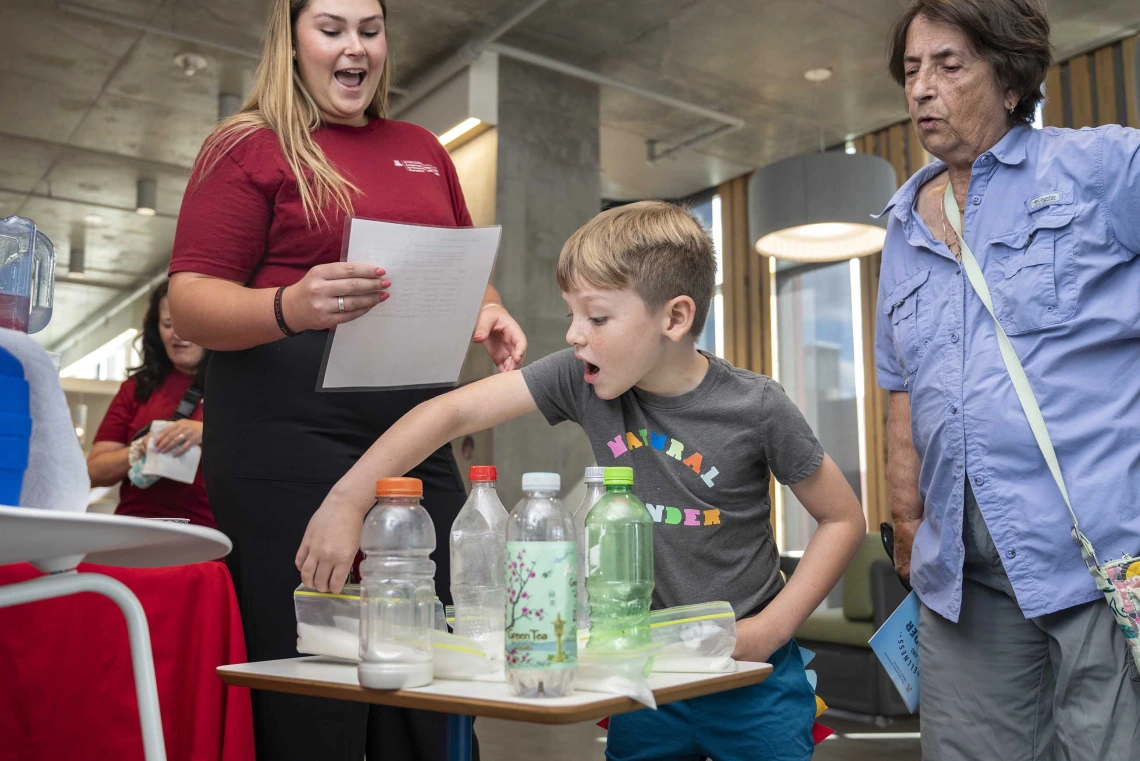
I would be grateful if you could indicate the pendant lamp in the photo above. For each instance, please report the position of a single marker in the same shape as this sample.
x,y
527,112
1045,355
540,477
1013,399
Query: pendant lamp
x,y
817,207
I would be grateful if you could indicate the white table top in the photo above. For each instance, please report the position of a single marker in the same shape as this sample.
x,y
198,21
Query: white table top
x,y
330,678
55,540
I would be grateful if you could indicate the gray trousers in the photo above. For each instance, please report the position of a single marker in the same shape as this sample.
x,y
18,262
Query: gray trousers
x,y
999,686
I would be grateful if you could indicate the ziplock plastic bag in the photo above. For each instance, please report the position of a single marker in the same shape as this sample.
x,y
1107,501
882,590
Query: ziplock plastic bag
x,y
622,672
329,624
695,638
456,657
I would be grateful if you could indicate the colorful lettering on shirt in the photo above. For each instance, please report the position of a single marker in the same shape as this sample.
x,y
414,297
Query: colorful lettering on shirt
x,y
657,441
616,446
687,517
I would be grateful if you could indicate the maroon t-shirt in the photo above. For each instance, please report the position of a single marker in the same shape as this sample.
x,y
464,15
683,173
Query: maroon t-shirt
x,y
164,498
244,221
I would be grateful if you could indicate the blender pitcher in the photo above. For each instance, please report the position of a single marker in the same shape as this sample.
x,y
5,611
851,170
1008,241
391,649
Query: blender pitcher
x,y
27,275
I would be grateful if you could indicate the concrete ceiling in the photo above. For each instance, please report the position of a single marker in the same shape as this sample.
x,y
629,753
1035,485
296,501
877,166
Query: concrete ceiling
x,y
89,105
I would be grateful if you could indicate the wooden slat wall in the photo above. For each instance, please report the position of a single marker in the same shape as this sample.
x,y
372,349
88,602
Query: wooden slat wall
x,y
747,284
747,293
1093,89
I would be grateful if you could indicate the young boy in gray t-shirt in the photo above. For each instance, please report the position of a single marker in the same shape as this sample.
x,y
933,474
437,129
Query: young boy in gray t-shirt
x,y
704,439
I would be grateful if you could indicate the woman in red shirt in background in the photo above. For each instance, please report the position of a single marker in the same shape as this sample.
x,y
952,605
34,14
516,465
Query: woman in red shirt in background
x,y
170,365
256,276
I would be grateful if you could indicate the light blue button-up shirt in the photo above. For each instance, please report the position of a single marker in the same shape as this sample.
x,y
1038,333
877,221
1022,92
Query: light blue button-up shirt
x,y
1053,217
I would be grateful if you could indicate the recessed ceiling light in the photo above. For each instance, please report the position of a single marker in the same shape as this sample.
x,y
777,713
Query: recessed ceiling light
x,y
817,75
190,63
93,219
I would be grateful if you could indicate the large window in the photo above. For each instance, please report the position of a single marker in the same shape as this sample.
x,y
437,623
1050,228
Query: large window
x,y
706,208
819,362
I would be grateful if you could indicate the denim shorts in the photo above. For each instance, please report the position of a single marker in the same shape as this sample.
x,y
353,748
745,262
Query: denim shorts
x,y
770,721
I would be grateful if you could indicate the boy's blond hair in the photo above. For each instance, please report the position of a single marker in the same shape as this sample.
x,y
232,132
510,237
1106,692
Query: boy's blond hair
x,y
657,249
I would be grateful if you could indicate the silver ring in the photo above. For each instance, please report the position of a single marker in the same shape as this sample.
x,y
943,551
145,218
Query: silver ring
x,y
340,303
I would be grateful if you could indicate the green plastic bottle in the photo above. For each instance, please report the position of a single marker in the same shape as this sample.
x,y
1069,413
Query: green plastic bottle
x,y
619,566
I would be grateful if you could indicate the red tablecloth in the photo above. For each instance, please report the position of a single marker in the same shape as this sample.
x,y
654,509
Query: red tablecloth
x,y
66,685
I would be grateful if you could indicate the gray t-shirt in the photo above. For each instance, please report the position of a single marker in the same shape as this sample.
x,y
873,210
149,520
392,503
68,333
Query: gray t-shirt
x,y
701,463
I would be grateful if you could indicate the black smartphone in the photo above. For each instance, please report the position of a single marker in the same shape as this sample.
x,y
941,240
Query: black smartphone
x,y
887,532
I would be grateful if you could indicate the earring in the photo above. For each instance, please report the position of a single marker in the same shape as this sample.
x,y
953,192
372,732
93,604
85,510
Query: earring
x,y
294,52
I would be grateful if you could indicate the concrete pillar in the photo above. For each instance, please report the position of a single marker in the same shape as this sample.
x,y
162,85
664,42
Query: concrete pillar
x,y
547,185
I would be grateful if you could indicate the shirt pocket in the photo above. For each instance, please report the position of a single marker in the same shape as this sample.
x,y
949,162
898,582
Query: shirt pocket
x,y
903,308
1035,261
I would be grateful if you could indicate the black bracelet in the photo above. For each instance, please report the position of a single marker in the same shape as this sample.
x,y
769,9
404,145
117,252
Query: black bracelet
x,y
279,314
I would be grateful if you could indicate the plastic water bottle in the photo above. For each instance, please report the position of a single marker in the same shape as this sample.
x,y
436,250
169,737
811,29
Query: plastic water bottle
x,y
397,590
478,556
595,488
542,597
619,566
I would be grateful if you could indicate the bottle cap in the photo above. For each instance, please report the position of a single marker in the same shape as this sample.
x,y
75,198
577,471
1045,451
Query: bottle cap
x,y
619,477
399,487
595,475
541,482
482,473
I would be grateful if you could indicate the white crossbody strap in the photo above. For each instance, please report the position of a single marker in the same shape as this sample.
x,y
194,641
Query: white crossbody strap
x,y
1012,363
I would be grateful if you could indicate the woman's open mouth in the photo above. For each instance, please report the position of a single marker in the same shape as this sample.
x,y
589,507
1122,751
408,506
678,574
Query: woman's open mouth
x,y
350,78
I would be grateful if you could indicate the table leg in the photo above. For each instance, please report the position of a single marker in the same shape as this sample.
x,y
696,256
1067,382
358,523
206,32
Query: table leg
x,y
458,737
142,659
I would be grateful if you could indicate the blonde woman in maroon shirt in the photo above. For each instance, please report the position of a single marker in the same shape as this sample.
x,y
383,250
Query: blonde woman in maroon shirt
x,y
256,276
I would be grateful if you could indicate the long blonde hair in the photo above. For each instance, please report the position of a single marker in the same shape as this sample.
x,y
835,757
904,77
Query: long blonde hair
x,y
280,102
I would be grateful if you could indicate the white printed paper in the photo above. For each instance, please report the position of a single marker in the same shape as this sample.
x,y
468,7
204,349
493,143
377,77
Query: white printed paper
x,y
420,334
182,468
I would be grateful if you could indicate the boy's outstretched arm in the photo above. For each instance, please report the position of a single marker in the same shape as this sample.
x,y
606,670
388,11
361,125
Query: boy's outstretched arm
x,y
333,536
828,498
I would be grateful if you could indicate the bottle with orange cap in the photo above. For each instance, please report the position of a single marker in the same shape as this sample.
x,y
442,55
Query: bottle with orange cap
x,y
478,552
397,590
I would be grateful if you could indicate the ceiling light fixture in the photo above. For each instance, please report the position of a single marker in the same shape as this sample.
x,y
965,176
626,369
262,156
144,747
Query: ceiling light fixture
x,y
93,219
463,107
459,130
817,207
146,197
190,63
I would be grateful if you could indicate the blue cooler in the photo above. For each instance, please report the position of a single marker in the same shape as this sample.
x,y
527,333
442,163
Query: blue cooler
x,y
15,428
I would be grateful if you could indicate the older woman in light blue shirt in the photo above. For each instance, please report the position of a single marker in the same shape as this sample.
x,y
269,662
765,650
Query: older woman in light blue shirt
x,y
1020,655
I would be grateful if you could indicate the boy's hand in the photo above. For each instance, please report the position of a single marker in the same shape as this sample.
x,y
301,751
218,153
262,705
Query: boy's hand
x,y
757,638
501,336
330,544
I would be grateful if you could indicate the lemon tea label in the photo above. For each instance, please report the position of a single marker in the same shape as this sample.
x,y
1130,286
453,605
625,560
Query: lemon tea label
x,y
542,599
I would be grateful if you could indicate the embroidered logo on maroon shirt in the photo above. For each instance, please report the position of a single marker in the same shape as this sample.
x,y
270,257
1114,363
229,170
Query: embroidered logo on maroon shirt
x,y
417,167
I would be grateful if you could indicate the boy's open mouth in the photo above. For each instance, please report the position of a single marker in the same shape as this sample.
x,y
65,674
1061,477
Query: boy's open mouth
x,y
351,78
592,371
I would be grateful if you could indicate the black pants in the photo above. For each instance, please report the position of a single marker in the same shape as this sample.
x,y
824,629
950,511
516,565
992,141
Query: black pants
x,y
273,447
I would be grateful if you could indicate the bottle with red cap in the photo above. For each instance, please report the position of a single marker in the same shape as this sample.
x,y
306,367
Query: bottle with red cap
x,y
478,557
397,588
